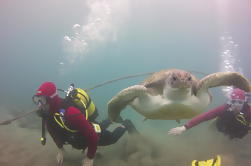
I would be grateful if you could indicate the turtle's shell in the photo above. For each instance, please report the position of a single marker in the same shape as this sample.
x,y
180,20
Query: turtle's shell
x,y
172,94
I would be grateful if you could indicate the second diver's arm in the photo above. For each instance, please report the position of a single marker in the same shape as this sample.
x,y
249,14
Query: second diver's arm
x,y
211,114
198,119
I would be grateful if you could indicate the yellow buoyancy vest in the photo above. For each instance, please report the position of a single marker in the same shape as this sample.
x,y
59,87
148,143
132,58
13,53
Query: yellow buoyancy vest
x,y
211,162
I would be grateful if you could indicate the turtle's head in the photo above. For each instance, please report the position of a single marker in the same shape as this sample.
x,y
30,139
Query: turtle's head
x,y
180,79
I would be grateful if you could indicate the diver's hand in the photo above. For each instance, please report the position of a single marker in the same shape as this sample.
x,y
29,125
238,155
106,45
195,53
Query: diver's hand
x,y
177,130
60,156
87,161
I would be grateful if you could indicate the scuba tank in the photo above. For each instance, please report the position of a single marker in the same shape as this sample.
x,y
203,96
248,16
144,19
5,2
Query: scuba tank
x,y
77,97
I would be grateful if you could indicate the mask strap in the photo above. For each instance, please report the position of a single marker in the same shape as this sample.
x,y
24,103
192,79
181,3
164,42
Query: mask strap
x,y
53,95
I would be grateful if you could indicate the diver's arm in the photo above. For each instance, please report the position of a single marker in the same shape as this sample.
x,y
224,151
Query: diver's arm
x,y
206,116
58,141
55,135
60,155
78,121
87,161
198,119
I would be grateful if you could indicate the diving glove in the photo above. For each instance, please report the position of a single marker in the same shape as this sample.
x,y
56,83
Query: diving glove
x,y
87,161
177,130
60,156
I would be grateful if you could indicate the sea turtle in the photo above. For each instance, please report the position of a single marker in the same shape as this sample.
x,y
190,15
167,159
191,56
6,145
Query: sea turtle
x,y
172,94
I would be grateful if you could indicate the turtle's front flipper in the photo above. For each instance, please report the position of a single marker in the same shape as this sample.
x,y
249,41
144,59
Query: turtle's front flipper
x,y
122,99
224,79
156,82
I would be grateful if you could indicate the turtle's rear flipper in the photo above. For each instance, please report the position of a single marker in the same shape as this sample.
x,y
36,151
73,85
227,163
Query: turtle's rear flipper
x,y
130,127
119,119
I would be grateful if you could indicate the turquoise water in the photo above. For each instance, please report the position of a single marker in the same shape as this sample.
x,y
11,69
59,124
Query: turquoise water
x,y
124,38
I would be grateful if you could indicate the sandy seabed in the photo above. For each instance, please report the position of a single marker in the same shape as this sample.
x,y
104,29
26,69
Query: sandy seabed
x,y
20,146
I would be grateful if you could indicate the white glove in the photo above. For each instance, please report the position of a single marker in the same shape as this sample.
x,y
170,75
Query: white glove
x,y
177,130
60,156
87,161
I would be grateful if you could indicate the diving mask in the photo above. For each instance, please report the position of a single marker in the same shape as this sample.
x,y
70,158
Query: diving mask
x,y
39,100
236,104
43,106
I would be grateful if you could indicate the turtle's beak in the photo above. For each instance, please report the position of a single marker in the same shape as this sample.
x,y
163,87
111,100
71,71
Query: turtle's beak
x,y
184,84
194,90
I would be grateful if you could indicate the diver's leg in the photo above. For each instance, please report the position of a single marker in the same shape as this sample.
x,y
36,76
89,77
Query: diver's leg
x,y
108,138
105,124
130,127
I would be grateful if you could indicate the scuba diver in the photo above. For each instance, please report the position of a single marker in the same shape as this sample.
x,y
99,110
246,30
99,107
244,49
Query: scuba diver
x,y
72,121
233,117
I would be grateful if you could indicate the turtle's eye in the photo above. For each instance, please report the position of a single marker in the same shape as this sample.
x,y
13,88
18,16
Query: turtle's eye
x,y
189,78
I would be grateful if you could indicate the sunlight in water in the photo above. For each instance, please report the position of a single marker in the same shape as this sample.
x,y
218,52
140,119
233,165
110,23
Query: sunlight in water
x,y
229,58
102,25
229,48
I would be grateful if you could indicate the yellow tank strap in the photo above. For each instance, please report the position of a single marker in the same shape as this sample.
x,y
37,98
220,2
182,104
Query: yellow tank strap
x,y
60,122
241,119
86,111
